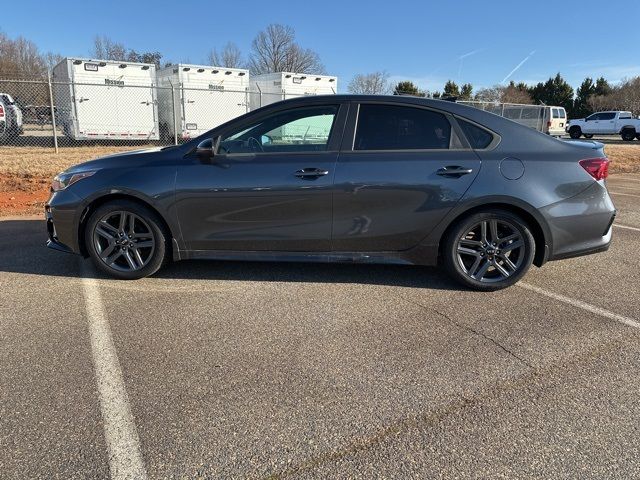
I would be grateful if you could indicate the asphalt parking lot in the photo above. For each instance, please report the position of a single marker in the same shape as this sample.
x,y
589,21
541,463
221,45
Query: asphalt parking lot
x,y
236,370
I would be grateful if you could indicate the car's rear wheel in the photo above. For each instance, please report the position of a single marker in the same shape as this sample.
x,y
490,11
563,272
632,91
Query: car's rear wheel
x,y
488,250
575,132
588,135
628,134
126,240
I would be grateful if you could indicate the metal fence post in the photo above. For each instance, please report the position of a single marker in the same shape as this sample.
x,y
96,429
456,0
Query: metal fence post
x,y
173,110
260,94
53,113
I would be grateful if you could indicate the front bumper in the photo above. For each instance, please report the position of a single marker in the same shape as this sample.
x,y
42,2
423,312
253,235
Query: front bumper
x,y
62,214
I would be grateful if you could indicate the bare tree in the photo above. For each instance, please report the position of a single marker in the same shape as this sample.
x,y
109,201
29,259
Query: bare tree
x,y
229,57
20,58
375,83
275,50
512,93
625,96
106,49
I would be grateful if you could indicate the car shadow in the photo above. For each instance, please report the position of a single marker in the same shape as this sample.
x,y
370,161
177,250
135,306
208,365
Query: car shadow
x,y
23,250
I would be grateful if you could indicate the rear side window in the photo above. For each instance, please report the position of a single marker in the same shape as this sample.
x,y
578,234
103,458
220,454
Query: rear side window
x,y
607,116
478,137
391,127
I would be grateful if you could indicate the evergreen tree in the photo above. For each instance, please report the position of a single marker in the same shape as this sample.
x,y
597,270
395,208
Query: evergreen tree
x,y
580,105
555,91
407,88
451,89
466,91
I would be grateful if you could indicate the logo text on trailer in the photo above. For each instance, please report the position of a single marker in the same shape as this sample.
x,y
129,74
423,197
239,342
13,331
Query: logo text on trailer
x,y
115,83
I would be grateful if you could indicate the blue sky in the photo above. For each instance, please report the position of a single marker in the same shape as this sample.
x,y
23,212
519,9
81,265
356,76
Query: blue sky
x,y
482,42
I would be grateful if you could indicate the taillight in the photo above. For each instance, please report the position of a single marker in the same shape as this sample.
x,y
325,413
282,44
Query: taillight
x,y
549,124
598,168
1,110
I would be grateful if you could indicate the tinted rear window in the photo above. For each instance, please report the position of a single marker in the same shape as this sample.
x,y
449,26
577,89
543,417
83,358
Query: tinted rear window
x,y
556,113
478,137
391,127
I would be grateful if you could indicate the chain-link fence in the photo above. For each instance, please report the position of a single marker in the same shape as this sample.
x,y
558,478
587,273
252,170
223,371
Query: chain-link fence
x,y
51,114
54,114
534,116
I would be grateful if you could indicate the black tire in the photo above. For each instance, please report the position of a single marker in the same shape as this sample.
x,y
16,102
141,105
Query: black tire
x,y
575,132
628,134
145,227
511,255
588,135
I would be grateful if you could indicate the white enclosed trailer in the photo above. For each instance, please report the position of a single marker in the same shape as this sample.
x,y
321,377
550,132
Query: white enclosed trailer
x,y
104,99
273,87
195,98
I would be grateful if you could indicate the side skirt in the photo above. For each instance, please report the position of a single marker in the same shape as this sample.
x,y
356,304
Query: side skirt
x,y
397,258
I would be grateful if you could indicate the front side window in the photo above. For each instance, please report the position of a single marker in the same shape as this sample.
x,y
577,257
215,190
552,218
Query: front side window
x,y
391,127
595,116
291,131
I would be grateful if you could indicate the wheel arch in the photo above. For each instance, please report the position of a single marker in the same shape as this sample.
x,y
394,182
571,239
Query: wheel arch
x,y
109,197
537,224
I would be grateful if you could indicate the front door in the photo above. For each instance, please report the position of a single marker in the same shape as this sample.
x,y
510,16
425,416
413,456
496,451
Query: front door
x,y
268,188
405,169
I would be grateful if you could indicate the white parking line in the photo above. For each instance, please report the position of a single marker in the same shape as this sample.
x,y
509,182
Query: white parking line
x,y
125,457
627,227
580,304
627,194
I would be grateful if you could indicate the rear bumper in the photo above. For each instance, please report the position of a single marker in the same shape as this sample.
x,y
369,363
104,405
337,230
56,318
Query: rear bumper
x,y
581,225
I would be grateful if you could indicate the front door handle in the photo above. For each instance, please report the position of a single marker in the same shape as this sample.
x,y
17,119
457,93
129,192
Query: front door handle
x,y
311,173
454,171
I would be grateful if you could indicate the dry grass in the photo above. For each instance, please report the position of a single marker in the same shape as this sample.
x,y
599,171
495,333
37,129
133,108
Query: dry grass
x,y
624,158
44,162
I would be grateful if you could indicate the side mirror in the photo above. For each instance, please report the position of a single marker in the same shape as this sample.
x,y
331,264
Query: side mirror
x,y
265,139
207,148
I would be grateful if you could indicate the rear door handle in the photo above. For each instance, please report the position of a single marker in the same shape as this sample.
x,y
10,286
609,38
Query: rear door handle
x,y
311,173
454,171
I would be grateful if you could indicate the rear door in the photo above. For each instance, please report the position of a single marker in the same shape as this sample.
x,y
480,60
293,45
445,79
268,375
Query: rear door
x,y
400,170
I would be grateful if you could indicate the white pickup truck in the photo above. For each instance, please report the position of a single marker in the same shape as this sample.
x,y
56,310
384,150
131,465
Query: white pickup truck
x,y
605,123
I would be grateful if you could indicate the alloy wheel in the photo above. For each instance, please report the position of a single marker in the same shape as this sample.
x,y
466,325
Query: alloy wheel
x,y
491,250
124,241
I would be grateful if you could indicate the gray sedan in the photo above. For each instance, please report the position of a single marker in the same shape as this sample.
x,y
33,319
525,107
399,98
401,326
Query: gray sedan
x,y
342,178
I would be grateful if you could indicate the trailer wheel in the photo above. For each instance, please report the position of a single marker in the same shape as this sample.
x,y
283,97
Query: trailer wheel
x,y
628,134
575,132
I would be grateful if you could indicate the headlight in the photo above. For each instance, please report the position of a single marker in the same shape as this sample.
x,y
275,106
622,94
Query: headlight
x,y
63,180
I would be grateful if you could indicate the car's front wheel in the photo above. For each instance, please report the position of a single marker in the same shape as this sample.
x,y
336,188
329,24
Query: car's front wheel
x,y
488,250
126,240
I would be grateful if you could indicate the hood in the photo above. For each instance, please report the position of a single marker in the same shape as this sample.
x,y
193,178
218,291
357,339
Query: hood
x,y
133,158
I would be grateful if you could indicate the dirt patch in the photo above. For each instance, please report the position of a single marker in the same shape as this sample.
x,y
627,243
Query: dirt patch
x,y
26,172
